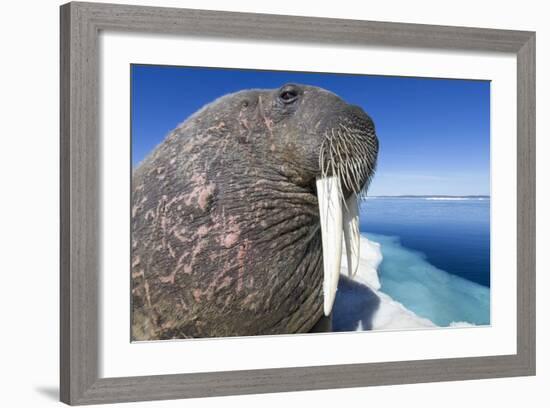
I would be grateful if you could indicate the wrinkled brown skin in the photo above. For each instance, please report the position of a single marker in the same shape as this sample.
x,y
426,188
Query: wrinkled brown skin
x,y
225,224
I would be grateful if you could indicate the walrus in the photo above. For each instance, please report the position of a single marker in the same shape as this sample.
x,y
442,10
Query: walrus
x,y
237,216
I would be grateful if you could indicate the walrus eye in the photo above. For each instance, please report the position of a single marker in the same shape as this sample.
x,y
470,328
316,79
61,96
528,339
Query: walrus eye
x,y
288,94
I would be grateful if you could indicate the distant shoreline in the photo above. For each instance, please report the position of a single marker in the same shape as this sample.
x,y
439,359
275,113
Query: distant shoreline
x,y
435,196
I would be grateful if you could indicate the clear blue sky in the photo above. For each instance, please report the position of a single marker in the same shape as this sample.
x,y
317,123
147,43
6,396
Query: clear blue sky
x,y
433,133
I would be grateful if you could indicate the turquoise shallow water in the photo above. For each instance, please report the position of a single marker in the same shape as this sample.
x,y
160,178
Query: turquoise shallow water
x,y
436,255
428,291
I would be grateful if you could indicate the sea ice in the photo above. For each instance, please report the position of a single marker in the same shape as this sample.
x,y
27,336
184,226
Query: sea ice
x,y
361,306
408,277
404,292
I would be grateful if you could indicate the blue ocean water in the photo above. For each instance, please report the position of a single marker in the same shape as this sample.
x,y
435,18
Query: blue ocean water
x,y
436,255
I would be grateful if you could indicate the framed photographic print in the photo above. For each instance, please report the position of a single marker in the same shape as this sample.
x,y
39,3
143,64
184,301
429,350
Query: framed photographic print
x,y
259,203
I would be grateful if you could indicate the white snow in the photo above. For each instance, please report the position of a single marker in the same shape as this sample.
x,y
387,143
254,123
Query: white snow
x,y
461,324
393,315
370,259
387,313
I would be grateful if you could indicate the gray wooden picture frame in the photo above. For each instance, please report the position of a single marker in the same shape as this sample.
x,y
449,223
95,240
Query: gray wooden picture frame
x,y
81,24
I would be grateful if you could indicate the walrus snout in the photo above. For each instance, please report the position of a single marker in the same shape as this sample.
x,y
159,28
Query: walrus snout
x,y
349,150
357,111
347,161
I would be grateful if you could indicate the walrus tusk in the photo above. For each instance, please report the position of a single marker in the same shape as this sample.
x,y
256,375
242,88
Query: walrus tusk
x,y
330,211
351,233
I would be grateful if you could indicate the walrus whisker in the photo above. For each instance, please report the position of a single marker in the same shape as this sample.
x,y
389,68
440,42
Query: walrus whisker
x,y
346,152
347,179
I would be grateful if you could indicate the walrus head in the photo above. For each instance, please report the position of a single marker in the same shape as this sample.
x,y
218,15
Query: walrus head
x,y
228,210
317,141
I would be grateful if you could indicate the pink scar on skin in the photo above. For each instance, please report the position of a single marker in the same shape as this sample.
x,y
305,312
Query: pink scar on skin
x,y
147,293
248,299
171,251
189,146
138,207
174,200
230,239
244,124
198,178
168,279
186,267
202,231
229,230
201,191
180,235
135,262
225,283
219,126
204,195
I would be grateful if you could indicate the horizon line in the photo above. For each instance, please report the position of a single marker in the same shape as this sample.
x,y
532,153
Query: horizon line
x,y
433,195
